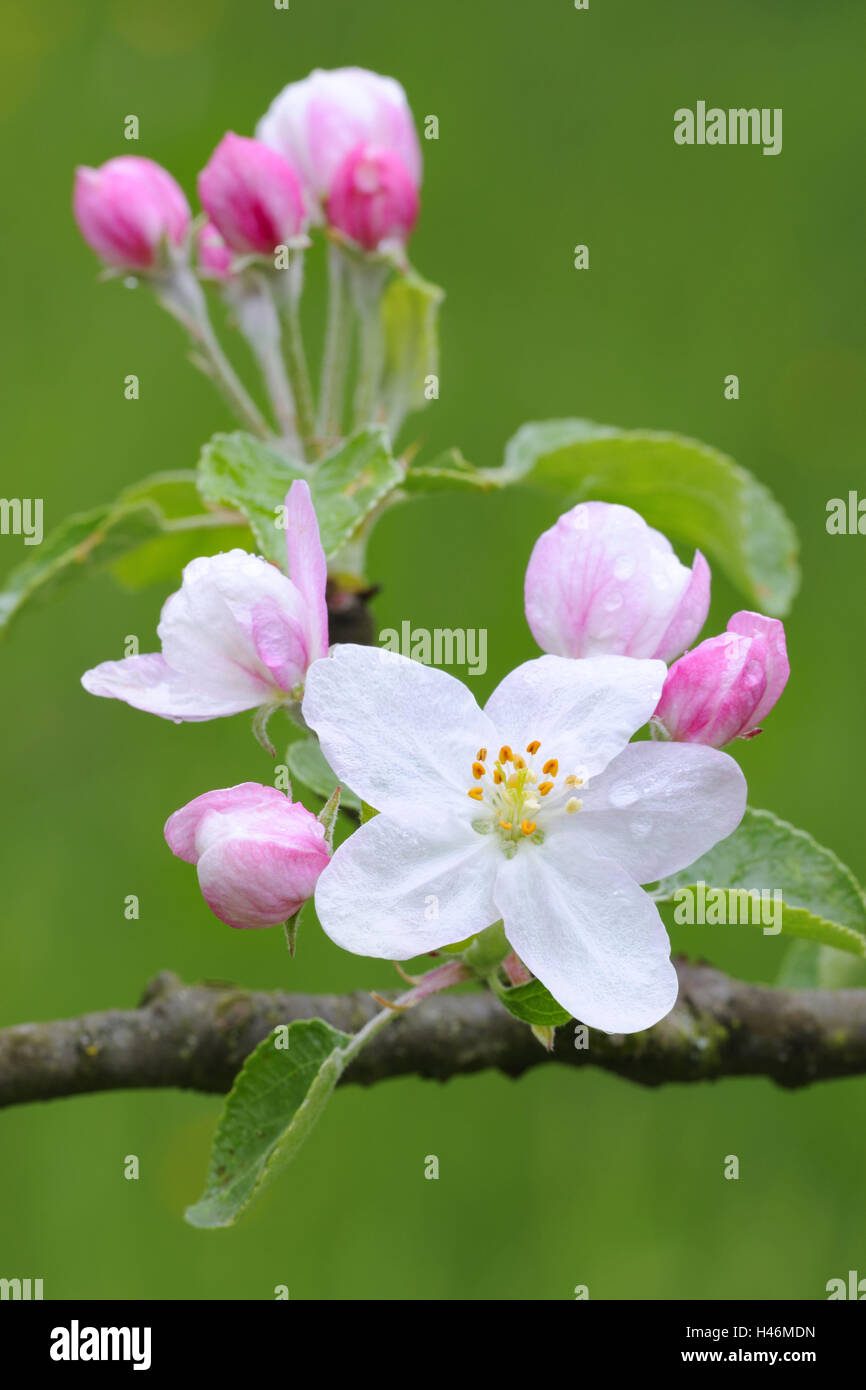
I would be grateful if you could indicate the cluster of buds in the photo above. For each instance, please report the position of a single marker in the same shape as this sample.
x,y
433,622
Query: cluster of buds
x,y
602,582
337,151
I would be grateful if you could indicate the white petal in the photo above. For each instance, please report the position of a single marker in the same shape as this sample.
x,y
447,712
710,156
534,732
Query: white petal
x,y
590,935
394,893
583,711
659,806
402,735
146,682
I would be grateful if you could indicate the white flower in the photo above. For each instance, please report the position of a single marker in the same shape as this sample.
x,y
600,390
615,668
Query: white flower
x,y
535,810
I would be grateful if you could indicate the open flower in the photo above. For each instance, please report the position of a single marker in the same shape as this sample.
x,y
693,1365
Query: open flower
x,y
237,635
535,810
723,688
316,122
258,855
601,582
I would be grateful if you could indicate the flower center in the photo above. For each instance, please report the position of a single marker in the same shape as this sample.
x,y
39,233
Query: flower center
x,y
520,794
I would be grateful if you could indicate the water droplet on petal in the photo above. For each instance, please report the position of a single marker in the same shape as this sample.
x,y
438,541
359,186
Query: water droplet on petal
x,y
624,566
623,794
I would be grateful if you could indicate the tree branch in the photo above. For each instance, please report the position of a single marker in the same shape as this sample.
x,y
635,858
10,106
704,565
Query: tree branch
x,y
197,1036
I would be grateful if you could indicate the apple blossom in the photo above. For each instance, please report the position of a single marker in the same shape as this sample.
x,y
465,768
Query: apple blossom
x,y
535,810
128,210
252,195
601,581
316,122
257,853
373,200
723,688
214,255
237,635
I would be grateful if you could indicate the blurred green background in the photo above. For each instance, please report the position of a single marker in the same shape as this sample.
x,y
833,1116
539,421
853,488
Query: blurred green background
x,y
555,128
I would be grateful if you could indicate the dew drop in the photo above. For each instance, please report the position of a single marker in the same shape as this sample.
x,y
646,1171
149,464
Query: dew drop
x,y
623,794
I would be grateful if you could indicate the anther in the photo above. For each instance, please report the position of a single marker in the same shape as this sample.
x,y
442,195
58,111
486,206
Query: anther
x,y
572,805
497,776
481,755
476,793
534,746
528,827
479,770
506,824
519,763
505,754
513,781
573,780
545,787
551,767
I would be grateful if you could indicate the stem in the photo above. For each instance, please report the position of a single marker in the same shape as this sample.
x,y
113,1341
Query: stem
x,y
367,285
260,324
287,286
443,977
335,361
181,294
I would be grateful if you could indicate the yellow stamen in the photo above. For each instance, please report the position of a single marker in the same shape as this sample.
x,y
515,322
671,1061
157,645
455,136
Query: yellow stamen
x,y
506,824
528,826
551,767
479,770
497,776
573,780
513,781
534,746
481,755
545,787
519,762
505,754
476,793
572,805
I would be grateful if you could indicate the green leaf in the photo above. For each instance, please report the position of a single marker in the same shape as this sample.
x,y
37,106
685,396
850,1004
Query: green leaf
x,y
821,901
533,1003
161,512
410,310
684,488
447,471
276,1099
350,483
309,765
239,471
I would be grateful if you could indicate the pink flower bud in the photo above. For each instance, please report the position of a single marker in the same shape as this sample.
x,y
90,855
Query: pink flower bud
x,y
214,257
315,123
725,687
373,199
252,195
258,855
127,209
601,582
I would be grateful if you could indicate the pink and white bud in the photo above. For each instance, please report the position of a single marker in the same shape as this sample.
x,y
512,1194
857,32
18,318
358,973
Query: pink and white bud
x,y
373,200
239,634
602,582
214,256
252,195
128,210
315,123
258,855
726,686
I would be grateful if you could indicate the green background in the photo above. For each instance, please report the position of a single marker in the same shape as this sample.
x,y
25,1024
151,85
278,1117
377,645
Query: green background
x,y
556,127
